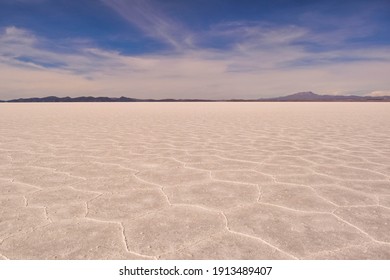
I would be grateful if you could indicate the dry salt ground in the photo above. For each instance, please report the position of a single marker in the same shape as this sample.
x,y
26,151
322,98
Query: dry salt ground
x,y
195,181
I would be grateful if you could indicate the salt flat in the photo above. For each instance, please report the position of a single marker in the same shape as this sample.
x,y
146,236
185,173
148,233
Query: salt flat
x,y
195,181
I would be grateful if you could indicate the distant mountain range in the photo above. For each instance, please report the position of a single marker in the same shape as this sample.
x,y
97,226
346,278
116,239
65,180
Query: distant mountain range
x,y
310,96
97,99
296,97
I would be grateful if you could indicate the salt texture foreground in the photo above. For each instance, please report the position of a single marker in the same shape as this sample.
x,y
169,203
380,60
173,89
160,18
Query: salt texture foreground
x,y
195,181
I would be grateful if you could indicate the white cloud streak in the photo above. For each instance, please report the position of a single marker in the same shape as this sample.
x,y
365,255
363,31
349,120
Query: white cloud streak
x,y
154,23
380,93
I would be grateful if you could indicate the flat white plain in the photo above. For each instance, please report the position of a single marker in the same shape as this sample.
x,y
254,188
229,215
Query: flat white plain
x,y
195,181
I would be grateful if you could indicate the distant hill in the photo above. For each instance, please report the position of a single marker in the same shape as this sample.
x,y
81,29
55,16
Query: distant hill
x,y
74,99
97,99
296,97
310,96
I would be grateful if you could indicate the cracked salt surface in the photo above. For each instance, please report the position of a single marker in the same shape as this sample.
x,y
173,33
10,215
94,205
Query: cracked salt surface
x,y
195,181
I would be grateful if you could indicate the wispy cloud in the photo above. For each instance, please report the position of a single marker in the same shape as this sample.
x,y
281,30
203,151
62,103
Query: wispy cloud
x,y
152,21
259,34
380,93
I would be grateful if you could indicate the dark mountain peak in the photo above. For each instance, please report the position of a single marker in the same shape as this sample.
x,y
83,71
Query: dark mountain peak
x,y
311,96
300,96
304,94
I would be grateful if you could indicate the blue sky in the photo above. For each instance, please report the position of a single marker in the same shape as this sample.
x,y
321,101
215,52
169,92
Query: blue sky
x,y
193,49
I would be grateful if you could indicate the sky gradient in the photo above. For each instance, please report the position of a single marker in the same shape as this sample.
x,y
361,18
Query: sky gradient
x,y
193,49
